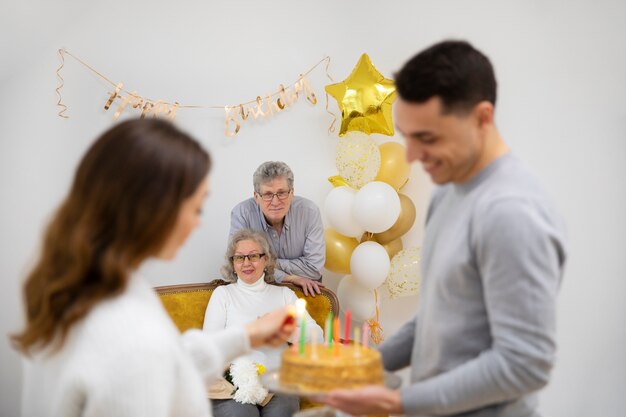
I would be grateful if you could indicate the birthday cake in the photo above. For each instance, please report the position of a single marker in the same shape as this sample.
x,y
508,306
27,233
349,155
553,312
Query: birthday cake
x,y
321,369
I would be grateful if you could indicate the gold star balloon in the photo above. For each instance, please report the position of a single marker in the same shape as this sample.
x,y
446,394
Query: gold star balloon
x,y
364,99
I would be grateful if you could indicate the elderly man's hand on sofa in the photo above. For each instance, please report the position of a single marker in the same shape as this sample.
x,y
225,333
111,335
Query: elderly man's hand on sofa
x,y
309,286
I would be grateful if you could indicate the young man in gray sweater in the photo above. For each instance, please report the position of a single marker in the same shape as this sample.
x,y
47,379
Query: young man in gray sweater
x,y
482,342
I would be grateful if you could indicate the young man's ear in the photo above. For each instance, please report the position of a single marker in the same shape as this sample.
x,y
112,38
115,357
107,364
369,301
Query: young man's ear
x,y
484,113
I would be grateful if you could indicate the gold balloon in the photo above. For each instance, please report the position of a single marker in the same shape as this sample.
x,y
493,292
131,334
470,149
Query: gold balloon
x,y
339,249
394,169
364,99
392,247
402,225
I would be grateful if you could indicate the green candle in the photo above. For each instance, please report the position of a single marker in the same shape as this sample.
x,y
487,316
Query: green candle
x,y
302,335
301,311
329,330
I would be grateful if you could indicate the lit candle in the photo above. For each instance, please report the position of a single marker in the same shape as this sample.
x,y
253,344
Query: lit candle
x,y
300,311
366,334
328,330
346,337
300,307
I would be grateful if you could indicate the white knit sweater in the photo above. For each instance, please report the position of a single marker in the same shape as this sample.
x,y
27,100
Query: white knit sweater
x,y
236,304
126,358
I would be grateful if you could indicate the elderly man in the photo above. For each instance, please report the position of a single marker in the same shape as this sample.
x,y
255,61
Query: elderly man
x,y
482,342
293,226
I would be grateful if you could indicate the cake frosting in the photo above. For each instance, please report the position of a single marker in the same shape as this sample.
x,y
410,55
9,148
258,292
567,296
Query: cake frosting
x,y
321,369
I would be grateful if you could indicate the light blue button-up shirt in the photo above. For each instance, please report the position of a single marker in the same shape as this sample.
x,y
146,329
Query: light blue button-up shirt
x,y
300,247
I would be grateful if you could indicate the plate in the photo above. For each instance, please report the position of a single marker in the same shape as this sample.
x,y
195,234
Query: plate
x,y
271,381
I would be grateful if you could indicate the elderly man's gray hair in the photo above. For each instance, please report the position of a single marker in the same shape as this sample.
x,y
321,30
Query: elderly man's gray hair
x,y
269,170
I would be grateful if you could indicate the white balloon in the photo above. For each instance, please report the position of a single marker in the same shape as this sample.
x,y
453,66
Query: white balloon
x,y
376,206
338,209
356,298
369,264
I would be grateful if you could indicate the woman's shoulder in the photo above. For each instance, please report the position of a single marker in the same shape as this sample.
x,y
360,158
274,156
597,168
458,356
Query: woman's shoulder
x,y
135,317
223,288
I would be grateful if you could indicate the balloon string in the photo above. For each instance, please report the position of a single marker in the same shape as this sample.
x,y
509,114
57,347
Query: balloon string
x,y
63,107
403,184
331,128
221,107
376,330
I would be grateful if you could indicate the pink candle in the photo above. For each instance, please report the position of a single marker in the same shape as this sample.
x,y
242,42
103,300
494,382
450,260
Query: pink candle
x,y
366,334
336,333
346,337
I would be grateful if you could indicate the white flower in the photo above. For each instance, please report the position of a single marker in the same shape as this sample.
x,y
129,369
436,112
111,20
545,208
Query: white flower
x,y
246,379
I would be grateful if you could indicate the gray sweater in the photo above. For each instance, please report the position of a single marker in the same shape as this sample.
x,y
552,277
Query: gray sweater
x,y
482,342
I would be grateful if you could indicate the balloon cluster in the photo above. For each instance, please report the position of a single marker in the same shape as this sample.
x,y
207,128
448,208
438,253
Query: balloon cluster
x,y
365,210
364,238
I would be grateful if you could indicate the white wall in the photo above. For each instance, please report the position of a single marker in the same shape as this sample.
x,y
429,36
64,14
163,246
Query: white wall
x,y
561,67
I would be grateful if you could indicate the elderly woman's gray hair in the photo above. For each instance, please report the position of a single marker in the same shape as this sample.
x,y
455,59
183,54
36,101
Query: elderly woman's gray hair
x,y
269,170
228,270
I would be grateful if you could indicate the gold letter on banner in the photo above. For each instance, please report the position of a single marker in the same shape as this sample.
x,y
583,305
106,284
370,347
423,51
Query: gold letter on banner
x,y
231,117
147,107
285,98
114,94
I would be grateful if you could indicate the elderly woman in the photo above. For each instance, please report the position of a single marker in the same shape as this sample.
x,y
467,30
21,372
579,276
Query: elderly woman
x,y
249,266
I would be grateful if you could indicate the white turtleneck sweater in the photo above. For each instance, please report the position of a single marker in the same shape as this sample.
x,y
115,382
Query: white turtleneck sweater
x,y
234,305
127,359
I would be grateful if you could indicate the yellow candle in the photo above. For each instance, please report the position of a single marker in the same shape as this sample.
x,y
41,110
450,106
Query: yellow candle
x,y
313,344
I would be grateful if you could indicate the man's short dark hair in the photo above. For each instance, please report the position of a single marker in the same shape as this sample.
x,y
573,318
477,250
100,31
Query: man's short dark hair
x,y
454,71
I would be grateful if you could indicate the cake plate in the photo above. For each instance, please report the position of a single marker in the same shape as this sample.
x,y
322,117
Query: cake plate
x,y
271,381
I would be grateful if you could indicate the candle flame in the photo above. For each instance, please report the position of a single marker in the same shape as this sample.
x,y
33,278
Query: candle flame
x,y
300,307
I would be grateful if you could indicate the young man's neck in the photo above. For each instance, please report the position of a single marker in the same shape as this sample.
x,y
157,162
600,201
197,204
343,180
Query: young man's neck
x,y
494,148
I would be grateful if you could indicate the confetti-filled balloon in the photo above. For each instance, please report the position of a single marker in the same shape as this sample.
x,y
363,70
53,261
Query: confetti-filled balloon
x,y
357,160
364,99
403,278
